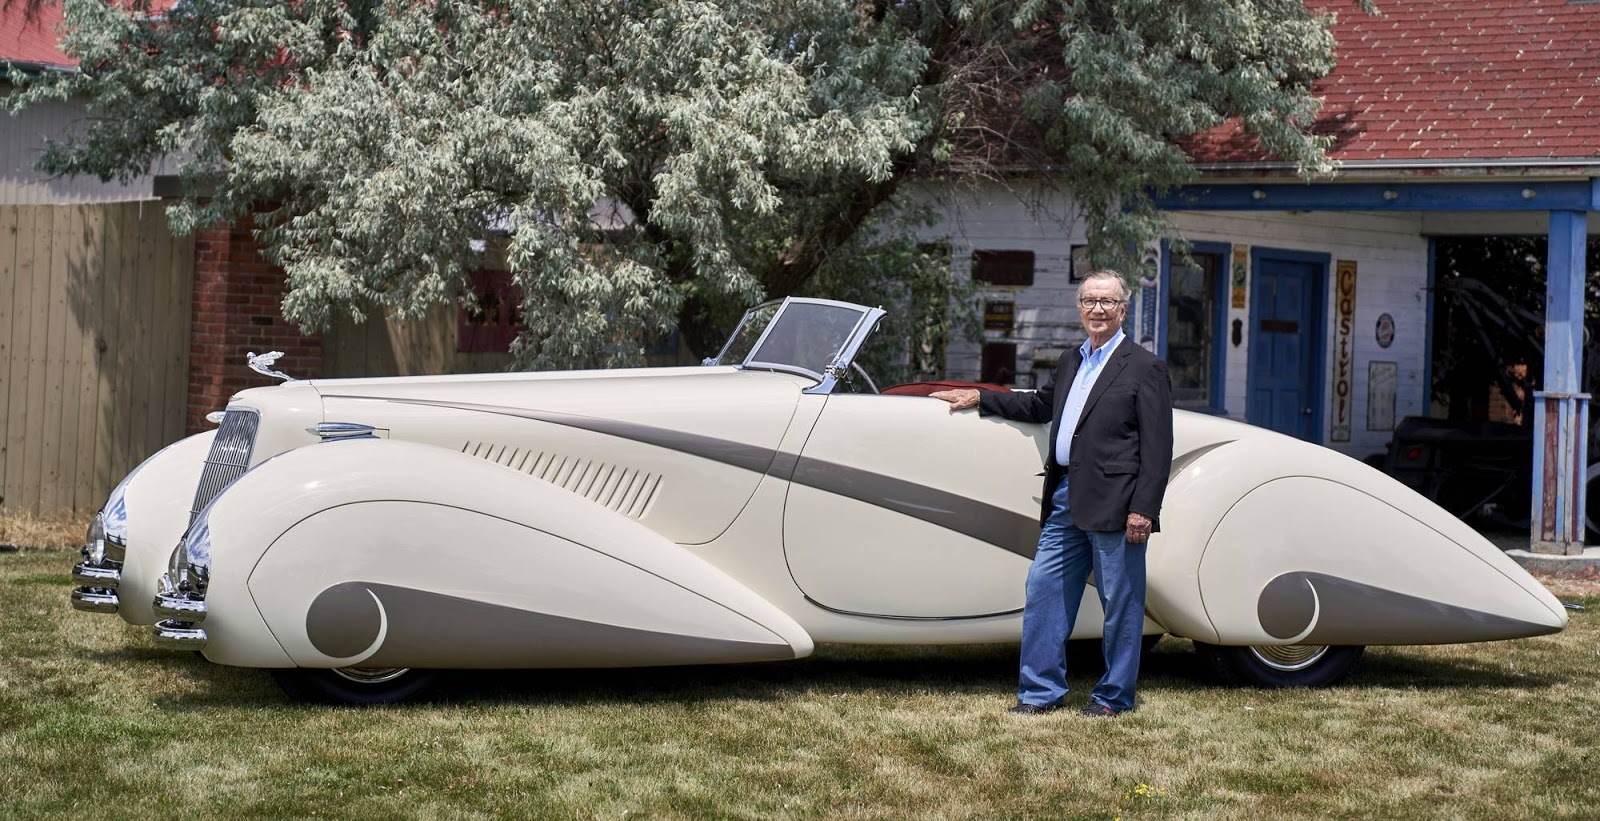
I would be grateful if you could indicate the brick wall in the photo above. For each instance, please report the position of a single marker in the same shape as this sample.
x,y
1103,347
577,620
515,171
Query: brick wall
x,y
237,294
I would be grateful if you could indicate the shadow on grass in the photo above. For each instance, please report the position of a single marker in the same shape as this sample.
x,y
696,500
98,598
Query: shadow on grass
x,y
895,678
889,671
141,653
885,672
1412,672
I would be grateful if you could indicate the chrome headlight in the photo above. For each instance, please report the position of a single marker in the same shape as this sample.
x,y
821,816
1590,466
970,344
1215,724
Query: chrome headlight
x,y
190,563
97,528
112,522
113,518
94,542
197,545
189,569
108,530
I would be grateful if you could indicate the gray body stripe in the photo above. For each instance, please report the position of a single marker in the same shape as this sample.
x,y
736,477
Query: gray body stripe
x,y
783,465
1348,612
433,630
1011,531
749,457
986,523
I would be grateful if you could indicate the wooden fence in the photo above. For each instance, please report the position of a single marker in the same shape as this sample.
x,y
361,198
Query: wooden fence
x,y
94,348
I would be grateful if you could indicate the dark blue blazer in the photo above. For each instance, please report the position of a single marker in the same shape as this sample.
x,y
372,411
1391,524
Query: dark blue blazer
x,y
1122,448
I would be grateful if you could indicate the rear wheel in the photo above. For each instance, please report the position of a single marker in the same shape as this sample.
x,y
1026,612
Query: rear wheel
x,y
1283,665
355,686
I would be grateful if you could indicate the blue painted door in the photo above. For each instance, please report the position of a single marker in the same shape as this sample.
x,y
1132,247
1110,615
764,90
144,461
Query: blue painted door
x,y
1282,336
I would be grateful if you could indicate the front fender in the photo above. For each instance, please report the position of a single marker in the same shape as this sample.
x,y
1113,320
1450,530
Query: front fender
x,y
159,498
383,553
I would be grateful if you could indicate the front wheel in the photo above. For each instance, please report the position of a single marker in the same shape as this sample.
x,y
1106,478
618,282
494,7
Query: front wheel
x,y
354,686
1275,666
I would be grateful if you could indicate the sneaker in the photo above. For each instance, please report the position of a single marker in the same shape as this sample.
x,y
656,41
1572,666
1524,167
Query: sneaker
x,y
1095,709
1022,709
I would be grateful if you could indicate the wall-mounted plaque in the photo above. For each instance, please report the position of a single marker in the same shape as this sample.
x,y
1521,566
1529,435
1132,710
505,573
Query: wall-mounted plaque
x,y
999,315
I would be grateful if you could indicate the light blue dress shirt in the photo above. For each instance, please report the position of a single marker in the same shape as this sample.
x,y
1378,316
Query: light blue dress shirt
x,y
1094,362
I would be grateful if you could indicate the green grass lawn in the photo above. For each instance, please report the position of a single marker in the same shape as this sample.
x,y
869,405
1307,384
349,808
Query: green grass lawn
x,y
95,722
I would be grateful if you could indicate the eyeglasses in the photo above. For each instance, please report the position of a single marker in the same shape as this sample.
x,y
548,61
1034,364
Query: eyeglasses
x,y
1090,303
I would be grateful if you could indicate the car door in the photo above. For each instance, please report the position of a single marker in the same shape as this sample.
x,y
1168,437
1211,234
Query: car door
x,y
900,508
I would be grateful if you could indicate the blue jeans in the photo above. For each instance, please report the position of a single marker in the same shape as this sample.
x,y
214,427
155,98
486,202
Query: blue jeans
x,y
1055,587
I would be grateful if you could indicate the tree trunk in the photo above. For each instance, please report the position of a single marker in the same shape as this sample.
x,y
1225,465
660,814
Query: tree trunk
x,y
700,328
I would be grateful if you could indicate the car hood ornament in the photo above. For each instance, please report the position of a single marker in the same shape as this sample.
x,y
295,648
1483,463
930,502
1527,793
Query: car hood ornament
x,y
262,364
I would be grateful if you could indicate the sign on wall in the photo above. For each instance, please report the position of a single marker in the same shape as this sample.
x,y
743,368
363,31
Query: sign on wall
x,y
1384,332
1240,277
1382,379
1345,298
1149,296
999,315
1079,264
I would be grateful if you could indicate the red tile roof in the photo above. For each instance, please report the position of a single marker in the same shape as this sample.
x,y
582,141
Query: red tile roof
x,y
30,31
1447,80
1444,80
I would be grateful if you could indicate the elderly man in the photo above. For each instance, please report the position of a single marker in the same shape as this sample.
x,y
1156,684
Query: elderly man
x,y
1111,402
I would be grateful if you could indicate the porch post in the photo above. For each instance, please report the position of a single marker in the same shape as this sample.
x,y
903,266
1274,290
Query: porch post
x,y
1561,410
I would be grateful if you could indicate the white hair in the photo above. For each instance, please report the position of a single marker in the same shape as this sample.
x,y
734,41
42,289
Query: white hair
x,y
1107,273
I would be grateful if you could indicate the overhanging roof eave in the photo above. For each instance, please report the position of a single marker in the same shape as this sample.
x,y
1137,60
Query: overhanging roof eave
x,y
1578,165
8,67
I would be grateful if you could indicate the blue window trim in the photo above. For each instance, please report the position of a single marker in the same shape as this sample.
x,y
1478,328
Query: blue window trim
x,y
1319,318
1219,317
1164,305
1525,195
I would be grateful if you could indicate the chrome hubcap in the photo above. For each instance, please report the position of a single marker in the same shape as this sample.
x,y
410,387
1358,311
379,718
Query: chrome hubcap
x,y
370,675
1289,657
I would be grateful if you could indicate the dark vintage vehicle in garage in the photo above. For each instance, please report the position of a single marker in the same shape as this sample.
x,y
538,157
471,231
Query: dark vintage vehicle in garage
x,y
1479,470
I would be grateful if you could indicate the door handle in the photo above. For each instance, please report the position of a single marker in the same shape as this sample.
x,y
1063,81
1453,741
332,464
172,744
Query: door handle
x,y
1305,411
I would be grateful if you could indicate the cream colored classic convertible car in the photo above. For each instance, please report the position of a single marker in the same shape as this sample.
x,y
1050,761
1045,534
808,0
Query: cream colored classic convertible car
x,y
354,535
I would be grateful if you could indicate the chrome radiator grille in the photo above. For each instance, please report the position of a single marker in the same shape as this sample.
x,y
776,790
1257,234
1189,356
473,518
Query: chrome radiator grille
x,y
229,457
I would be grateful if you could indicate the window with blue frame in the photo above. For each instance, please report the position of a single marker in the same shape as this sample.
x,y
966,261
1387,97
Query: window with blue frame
x,y
1192,333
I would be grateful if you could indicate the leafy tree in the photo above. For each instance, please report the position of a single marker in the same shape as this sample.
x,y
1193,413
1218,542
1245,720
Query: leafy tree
x,y
891,266
658,163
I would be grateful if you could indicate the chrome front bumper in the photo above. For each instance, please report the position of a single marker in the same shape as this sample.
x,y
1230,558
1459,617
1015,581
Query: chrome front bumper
x,y
97,577
181,611
172,634
91,600
107,575
180,607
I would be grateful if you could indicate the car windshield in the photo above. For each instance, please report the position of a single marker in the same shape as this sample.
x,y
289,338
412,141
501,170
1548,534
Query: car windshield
x,y
805,335
748,333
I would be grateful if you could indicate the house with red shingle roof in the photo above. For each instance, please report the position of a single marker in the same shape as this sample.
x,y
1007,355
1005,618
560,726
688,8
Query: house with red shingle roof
x,y
1306,307
30,43
1449,85
28,38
